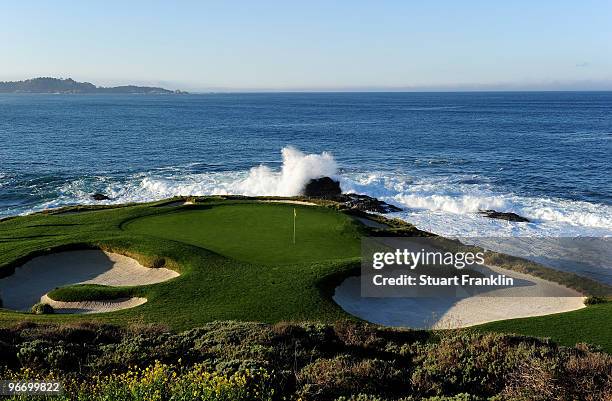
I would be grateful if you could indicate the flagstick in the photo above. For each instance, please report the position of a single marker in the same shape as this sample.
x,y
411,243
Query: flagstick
x,y
293,226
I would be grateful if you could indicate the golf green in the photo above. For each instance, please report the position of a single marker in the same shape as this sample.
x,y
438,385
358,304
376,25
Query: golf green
x,y
259,233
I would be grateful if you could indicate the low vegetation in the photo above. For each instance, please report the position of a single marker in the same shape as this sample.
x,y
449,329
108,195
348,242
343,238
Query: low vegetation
x,y
593,300
42,309
285,361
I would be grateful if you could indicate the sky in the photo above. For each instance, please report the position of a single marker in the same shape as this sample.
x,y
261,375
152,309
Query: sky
x,y
312,45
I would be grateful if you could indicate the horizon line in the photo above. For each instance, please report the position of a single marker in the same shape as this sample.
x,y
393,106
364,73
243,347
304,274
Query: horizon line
x,y
603,85
245,91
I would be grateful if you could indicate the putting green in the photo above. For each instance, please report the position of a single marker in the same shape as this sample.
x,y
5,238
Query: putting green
x,y
259,233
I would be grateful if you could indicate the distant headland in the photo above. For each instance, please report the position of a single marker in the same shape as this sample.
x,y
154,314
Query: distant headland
x,y
57,85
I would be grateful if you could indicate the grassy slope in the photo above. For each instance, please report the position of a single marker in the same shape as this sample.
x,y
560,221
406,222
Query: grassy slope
x,y
212,286
592,324
237,262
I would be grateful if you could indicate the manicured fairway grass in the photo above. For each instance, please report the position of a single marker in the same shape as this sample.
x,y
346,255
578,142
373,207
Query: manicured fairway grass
x,y
237,262
591,325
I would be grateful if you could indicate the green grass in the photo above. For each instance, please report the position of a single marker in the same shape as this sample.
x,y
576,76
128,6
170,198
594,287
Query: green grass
x,y
237,262
91,292
592,324
259,233
254,274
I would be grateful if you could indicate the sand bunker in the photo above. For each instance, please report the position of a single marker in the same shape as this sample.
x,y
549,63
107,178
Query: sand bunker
x,y
93,306
31,282
539,297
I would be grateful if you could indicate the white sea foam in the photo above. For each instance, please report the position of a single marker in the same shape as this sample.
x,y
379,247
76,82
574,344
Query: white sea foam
x,y
450,205
444,205
297,169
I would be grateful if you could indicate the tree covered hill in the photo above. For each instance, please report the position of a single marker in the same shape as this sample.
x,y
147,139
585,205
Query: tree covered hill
x,y
56,85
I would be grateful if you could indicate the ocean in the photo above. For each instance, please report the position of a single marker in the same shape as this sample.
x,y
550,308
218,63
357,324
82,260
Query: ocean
x,y
442,157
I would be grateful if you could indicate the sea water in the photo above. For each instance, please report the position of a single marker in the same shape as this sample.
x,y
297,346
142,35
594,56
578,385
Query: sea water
x,y
442,157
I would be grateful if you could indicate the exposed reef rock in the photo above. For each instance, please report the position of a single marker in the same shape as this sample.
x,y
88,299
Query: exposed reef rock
x,y
367,204
328,188
494,214
99,197
323,187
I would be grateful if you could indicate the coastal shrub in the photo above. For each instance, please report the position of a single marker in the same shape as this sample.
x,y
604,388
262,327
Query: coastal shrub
x,y
7,354
326,379
139,350
356,334
360,397
42,355
32,354
162,382
570,375
42,309
461,362
458,397
585,375
593,300
309,361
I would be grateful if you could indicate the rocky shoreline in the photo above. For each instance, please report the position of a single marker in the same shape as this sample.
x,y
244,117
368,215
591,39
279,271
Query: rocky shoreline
x,y
509,216
329,189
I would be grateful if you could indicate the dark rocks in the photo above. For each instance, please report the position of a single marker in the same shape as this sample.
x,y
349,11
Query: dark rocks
x,y
328,188
323,187
367,204
99,197
494,214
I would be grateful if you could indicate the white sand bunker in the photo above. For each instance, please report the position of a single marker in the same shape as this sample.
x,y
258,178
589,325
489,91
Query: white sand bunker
x,y
536,297
31,282
93,306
